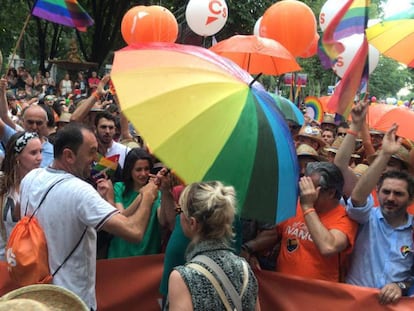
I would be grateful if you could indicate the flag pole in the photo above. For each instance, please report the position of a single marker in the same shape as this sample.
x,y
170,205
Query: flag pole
x,y
26,22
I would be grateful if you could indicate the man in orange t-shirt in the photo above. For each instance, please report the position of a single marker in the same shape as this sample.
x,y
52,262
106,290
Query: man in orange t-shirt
x,y
300,256
316,242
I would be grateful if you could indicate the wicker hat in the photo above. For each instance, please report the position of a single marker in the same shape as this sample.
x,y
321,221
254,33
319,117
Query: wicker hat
x,y
328,119
304,150
376,132
53,297
65,117
22,304
360,169
335,147
402,155
313,133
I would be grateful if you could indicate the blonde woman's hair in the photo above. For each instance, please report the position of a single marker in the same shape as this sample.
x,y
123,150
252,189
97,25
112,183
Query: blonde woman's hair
x,y
213,205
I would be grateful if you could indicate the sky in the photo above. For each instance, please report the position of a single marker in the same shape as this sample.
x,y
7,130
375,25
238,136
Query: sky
x,y
395,6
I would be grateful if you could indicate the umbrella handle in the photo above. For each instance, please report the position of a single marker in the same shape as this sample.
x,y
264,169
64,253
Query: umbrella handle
x,y
255,79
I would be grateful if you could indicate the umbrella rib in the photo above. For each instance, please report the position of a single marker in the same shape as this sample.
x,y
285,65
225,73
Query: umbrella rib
x,y
248,62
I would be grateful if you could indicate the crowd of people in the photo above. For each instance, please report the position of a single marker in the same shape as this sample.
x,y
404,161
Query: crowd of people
x,y
353,221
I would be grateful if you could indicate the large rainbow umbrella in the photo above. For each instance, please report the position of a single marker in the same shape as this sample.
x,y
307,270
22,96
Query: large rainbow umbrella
x,y
205,118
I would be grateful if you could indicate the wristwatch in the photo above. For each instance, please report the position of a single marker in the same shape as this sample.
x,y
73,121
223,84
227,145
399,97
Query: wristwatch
x,y
403,287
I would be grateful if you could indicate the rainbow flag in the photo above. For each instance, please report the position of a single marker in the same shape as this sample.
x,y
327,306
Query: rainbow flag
x,y
65,12
314,108
105,165
351,19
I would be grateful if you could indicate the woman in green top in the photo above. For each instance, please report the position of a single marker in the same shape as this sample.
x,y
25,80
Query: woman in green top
x,y
136,172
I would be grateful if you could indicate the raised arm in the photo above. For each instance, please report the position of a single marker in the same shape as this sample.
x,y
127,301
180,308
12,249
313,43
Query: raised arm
x,y
328,242
4,110
347,147
85,106
368,181
125,134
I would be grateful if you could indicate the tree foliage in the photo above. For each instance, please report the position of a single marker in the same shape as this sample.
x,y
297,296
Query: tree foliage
x,y
43,40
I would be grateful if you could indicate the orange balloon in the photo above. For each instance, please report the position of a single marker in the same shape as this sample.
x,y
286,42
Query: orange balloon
x,y
312,49
149,24
291,23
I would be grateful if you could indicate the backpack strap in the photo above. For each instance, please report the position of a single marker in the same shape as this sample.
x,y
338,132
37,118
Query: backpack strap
x,y
43,198
2,225
71,253
37,208
235,297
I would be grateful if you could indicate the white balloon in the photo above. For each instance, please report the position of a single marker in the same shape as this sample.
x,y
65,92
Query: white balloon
x,y
328,11
256,29
206,17
351,45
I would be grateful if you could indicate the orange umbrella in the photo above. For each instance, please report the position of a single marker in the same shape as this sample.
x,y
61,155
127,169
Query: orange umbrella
x,y
403,116
376,112
257,55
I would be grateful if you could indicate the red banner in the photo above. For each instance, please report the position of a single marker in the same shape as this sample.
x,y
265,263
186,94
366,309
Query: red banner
x,y
132,284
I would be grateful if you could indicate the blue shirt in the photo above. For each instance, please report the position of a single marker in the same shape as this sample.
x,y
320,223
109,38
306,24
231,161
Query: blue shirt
x,y
382,254
47,147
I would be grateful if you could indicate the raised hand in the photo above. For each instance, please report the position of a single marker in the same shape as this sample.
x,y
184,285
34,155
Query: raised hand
x,y
390,142
359,112
308,193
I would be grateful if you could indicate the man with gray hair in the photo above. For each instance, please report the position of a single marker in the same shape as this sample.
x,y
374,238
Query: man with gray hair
x,y
34,120
315,243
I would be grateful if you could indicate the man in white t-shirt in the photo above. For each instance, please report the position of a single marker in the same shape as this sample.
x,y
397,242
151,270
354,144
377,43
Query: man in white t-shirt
x,y
105,132
73,206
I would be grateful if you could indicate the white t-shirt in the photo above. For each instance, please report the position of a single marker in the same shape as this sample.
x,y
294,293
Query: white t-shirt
x,y
10,202
120,149
70,207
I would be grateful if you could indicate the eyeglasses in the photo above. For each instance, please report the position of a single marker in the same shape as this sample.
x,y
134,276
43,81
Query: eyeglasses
x,y
178,210
32,122
341,134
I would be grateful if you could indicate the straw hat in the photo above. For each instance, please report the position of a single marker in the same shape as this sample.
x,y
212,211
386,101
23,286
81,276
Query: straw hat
x,y
328,119
335,147
304,150
376,132
313,133
402,155
52,296
360,169
65,117
22,304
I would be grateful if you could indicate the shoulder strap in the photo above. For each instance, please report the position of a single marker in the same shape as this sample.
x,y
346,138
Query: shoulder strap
x,y
37,208
2,225
43,198
213,281
223,278
71,253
